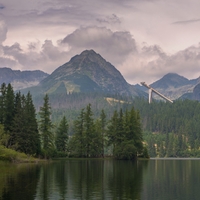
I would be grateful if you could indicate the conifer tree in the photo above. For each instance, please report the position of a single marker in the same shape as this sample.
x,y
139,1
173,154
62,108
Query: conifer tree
x,y
17,130
103,130
9,108
77,142
62,136
89,131
112,130
45,127
33,146
2,102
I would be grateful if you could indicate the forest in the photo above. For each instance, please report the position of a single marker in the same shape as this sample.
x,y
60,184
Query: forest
x,y
88,125
24,130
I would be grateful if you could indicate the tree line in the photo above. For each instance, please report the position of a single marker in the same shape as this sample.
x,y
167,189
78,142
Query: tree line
x,y
171,130
22,130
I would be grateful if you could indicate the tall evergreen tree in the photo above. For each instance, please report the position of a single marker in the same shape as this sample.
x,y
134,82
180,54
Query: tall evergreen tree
x,y
89,131
77,142
33,146
2,102
45,127
62,135
9,108
17,136
103,130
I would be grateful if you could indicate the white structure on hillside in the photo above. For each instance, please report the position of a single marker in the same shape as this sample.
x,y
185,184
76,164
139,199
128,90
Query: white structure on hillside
x,y
155,91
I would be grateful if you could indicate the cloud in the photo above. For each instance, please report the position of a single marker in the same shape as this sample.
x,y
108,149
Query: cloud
x,y
114,46
152,63
3,31
113,19
187,21
46,56
2,6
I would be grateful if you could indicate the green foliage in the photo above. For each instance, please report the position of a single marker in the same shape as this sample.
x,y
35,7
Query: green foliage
x,y
4,138
125,134
87,139
45,127
14,156
62,136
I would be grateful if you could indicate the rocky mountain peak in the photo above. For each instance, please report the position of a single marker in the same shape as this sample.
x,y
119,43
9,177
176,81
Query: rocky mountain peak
x,y
88,71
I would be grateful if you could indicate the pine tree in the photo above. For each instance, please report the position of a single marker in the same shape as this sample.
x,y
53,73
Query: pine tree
x,y
77,142
89,131
62,136
45,127
112,130
17,136
33,144
2,102
9,108
103,130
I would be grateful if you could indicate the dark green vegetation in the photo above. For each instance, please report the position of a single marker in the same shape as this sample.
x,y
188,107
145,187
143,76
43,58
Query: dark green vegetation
x,y
171,130
91,135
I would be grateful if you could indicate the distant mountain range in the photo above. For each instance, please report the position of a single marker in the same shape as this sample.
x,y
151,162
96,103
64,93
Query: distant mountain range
x,y
21,79
89,72
175,86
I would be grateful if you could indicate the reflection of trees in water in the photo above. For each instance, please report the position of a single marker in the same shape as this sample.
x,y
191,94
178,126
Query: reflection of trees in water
x,y
85,178
172,179
21,183
76,179
125,181
106,179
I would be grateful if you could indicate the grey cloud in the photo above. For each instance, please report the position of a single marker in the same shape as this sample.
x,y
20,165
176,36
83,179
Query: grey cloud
x,y
152,63
48,58
2,6
114,46
113,19
187,21
3,31
7,62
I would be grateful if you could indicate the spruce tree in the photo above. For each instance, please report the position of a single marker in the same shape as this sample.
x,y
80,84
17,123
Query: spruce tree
x,y
62,136
17,136
33,144
2,102
112,130
45,127
89,131
103,130
9,108
77,142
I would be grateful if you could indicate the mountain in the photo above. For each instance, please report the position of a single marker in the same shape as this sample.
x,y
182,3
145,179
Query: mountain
x,y
21,79
87,72
196,92
175,86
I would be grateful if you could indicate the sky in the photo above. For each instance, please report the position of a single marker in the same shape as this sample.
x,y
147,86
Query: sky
x,y
143,39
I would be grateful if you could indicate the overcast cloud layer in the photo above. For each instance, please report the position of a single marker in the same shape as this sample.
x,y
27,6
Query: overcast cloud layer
x,y
143,39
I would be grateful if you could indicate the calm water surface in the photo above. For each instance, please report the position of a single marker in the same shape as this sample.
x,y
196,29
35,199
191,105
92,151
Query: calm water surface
x,y
174,179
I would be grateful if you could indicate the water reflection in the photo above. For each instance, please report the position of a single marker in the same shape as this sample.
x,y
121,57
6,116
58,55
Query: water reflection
x,y
101,179
172,179
74,179
18,181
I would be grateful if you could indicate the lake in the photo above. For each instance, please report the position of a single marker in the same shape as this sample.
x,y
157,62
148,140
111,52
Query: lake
x,y
84,179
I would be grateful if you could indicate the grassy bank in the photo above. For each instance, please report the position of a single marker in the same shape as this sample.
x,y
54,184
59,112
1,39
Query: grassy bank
x,y
14,156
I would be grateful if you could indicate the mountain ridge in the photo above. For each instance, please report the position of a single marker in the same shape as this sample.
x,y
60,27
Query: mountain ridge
x,y
21,79
90,72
